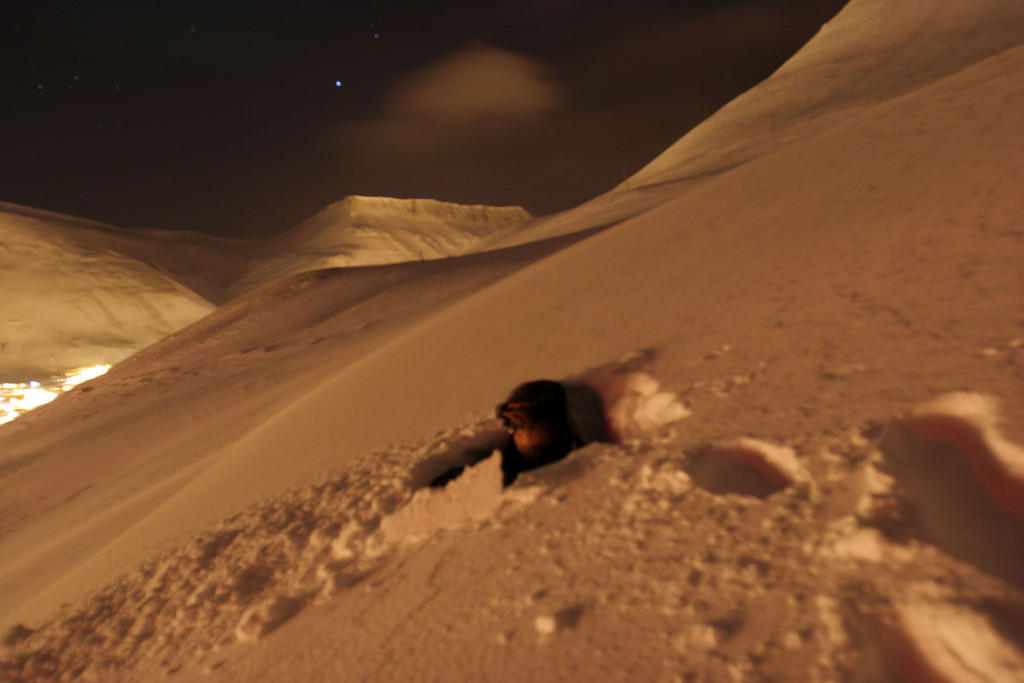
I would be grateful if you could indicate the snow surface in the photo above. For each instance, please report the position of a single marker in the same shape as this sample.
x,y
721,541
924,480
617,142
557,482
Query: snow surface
x,y
241,501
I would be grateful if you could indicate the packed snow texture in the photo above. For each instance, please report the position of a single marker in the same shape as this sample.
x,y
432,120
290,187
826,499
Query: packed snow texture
x,y
826,487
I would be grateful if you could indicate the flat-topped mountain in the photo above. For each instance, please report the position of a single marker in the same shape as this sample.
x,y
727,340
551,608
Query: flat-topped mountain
x,y
363,231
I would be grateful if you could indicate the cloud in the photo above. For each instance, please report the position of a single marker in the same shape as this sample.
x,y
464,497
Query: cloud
x,y
469,97
473,84
486,125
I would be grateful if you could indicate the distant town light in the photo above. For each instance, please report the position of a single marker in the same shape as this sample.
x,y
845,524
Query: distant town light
x,y
17,398
80,375
32,398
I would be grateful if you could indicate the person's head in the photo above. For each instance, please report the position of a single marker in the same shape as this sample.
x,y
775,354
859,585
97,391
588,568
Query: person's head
x,y
536,415
540,400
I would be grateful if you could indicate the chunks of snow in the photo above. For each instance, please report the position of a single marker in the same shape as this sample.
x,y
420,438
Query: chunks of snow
x,y
664,480
635,404
341,546
869,545
472,497
545,625
261,619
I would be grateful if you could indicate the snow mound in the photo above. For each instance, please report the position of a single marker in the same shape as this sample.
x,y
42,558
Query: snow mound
x,y
364,231
929,634
960,480
969,423
778,465
950,643
472,497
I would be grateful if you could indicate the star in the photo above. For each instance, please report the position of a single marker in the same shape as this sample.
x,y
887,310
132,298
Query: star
x,y
338,84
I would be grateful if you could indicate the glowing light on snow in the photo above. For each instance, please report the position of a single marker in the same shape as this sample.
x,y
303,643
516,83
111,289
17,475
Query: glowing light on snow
x,y
33,397
80,375
17,398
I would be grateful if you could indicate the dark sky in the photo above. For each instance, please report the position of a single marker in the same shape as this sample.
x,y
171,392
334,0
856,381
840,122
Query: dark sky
x,y
243,118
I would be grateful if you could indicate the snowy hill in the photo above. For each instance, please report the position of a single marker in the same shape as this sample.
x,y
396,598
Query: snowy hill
x,y
365,231
873,50
77,293
839,499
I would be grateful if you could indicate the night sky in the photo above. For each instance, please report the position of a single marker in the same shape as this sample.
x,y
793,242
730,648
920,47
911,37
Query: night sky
x,y
243,118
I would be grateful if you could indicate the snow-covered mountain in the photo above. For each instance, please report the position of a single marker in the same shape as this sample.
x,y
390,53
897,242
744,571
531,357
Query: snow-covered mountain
x,y
365,231
76,293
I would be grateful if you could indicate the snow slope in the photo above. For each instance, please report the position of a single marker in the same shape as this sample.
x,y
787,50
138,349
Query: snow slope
x,y
817,516
871,51
364,231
